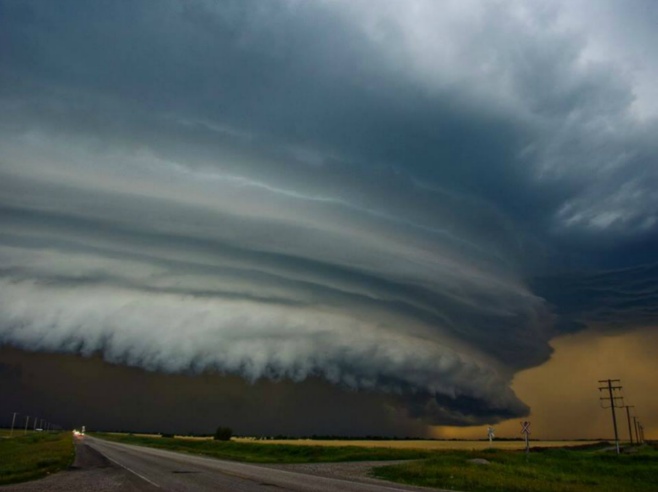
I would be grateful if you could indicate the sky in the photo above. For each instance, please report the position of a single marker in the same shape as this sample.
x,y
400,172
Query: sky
x,y
401,218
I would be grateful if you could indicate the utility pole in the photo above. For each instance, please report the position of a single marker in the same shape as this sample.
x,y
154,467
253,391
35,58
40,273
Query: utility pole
x,y
13,420
35,423
637,432
642,432
611,388
27,420
628,416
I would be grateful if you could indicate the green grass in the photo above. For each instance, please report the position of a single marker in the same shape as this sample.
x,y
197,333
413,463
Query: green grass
x,y
35,455
269,453
551,470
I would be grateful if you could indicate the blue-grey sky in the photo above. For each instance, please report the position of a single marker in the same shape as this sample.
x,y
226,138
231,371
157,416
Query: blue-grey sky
x,y
408,199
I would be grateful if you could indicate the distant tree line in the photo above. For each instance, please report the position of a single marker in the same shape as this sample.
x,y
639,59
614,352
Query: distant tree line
x,y
223,434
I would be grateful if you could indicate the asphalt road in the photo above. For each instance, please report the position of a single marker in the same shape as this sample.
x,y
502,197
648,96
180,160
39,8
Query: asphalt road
x,y
166,470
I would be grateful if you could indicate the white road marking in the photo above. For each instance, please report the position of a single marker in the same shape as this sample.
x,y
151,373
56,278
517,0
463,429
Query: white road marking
x,y
133,471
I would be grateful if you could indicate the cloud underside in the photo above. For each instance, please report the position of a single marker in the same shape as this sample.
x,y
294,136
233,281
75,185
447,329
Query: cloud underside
x,y
319,190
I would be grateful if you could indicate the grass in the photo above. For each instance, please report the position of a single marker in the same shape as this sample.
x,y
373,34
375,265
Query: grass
x,y
417,443
255,452
33,455
551,470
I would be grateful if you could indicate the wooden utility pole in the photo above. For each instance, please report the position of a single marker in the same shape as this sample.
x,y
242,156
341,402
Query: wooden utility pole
x,y
13,421
613,399
637,432
628,416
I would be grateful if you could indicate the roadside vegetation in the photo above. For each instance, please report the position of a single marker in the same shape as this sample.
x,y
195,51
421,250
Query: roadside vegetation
x,y
548,470
255,452
34,455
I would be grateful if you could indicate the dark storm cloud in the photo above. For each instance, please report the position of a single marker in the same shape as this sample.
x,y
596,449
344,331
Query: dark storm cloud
x,y
107,396
614,299
375,197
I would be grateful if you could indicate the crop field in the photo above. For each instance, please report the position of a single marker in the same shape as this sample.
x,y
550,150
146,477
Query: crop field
x,y
256,451
418,444
412,444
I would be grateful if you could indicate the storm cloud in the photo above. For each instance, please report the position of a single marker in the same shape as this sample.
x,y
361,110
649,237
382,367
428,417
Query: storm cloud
x,y
402,198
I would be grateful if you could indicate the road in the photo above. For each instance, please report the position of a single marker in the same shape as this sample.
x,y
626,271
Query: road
x,y
156,469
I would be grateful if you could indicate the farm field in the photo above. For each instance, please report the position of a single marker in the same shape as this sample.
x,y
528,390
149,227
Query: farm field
x,y
419,444
413,444
256,451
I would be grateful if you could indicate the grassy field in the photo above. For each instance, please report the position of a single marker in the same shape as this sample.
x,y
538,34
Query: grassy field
x,y
34,455
260,452
418,443
413,444
551,470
